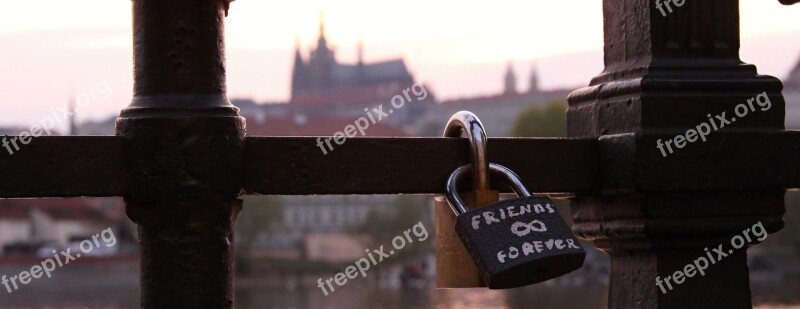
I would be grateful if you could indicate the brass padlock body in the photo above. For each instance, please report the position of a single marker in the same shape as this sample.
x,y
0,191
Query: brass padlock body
x,y
454,266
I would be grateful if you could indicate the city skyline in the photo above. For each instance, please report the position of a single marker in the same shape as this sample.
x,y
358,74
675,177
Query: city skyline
x,y
457,56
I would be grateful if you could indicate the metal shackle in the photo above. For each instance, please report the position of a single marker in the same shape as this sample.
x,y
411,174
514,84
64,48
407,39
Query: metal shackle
x,y
470,124
455,201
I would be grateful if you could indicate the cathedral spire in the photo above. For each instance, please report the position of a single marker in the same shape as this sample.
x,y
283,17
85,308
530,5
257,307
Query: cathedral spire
x,y
533,82
362,75
322,42
321,25
510,80
360,51
73,128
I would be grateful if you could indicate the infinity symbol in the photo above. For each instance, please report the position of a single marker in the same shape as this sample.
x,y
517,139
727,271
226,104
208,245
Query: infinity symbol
x,y
522,228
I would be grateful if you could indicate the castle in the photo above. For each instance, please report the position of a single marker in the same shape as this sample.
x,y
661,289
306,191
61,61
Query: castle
x,y
323,81
323,87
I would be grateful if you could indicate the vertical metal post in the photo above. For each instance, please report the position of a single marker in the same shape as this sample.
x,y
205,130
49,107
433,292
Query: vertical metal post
x,y
185,153
666,70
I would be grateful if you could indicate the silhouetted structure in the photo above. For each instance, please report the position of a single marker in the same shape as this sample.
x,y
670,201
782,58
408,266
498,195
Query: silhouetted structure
x,y
793,80
510,81
321,80
791,90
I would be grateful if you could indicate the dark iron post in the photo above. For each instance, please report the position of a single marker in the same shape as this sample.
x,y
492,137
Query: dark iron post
x,y
185,154
664,73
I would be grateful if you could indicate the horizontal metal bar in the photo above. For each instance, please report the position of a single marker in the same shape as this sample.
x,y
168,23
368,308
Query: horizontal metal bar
x,y
63,166
94,165
726,161
297,165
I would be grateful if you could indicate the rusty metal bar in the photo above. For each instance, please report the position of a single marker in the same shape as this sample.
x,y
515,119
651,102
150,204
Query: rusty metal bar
x,y
65,166
410,165
726,161
94,165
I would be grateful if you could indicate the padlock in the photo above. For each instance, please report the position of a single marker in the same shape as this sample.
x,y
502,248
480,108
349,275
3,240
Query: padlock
x,y
515,242
454,266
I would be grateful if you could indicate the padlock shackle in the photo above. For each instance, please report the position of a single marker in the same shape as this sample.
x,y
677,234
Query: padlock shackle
x,y
468,123
455,201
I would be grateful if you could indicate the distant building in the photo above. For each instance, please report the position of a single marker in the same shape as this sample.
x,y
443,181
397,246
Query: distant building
x,y
510,81
533,81
307,220
335,247
791,92
12,131
321,80
497,121
498,112
321,85
312,125
15,227
28,224
100,127
793,79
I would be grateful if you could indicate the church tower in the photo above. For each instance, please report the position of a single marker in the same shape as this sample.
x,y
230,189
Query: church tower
x,y
793,80
71,122
362,75
318,79
533,83
510,80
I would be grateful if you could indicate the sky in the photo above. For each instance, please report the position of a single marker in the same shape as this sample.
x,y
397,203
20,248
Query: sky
x,y
51,48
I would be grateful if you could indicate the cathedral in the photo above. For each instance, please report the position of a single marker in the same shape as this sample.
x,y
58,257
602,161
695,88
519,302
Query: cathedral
x,y
320,80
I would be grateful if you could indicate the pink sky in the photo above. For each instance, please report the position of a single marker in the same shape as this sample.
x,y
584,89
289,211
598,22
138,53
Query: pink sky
x,y
458,52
